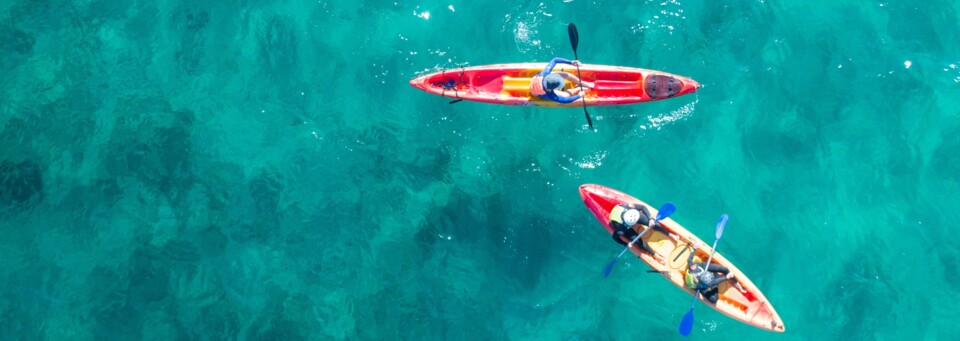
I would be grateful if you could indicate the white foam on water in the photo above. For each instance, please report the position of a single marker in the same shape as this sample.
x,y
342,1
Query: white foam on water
x,y
525,27
661,120
593,160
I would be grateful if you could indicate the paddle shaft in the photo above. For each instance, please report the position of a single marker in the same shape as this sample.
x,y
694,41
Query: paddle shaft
x,y
709,259
574,42
583,95
686,325
705,267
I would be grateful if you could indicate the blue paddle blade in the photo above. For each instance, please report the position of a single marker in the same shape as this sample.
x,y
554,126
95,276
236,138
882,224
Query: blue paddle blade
x,y
720,224
665,211
686,325
606,270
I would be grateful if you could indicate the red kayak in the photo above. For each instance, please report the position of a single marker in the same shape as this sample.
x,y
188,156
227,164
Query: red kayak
x,y
510,84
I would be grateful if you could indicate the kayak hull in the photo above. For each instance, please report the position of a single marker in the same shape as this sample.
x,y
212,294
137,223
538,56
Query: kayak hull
x,y
751,308
509,84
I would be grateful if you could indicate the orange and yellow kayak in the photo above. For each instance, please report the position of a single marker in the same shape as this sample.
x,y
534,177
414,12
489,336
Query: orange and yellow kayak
x,y
510,84
751,307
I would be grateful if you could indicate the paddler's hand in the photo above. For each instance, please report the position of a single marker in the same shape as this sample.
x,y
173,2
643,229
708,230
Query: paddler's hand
x,y
575,63
696,244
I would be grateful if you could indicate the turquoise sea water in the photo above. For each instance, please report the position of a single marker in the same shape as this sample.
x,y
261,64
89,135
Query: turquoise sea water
x,y
261,169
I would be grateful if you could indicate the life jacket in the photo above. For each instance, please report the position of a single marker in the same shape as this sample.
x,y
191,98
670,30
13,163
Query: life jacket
x,y
690,280
616,214
536,86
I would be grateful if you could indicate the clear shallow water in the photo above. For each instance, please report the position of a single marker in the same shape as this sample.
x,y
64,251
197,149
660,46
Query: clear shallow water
x,y
262,170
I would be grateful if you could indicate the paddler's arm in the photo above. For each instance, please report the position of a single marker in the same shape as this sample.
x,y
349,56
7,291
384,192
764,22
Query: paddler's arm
x,y
717,281
618,233
553,63
553,96
696,246
565,100
624,238
651,222
646,212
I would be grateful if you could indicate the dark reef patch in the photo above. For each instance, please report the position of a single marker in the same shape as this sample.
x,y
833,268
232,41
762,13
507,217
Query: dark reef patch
x,y
21,184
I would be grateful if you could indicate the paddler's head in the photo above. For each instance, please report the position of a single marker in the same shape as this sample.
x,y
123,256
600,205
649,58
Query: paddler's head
x,y
631,217
705,277
553,81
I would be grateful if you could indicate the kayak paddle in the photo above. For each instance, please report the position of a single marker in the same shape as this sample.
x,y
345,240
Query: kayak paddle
x,y
574,41
686,325
665,211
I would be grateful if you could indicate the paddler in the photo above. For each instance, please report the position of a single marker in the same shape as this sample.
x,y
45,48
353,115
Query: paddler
x,y
625,216
549,85
708,282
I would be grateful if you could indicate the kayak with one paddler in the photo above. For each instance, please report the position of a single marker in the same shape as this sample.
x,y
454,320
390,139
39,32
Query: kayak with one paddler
x,y
510,84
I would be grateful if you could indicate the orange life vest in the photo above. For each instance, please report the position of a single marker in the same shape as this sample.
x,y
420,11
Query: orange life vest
x,y
536,86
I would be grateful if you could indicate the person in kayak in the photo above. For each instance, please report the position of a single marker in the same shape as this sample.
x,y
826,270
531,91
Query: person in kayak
x,y
708,282
549,85
624,216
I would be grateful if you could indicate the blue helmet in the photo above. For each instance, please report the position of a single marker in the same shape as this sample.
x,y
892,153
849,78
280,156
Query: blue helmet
x,y
553,81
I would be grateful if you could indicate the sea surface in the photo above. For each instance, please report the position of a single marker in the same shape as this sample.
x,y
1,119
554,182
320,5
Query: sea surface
x,y
261,170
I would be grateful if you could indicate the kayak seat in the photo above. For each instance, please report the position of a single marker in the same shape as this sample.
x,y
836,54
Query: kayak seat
x,y
678,257
660,243
516,86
